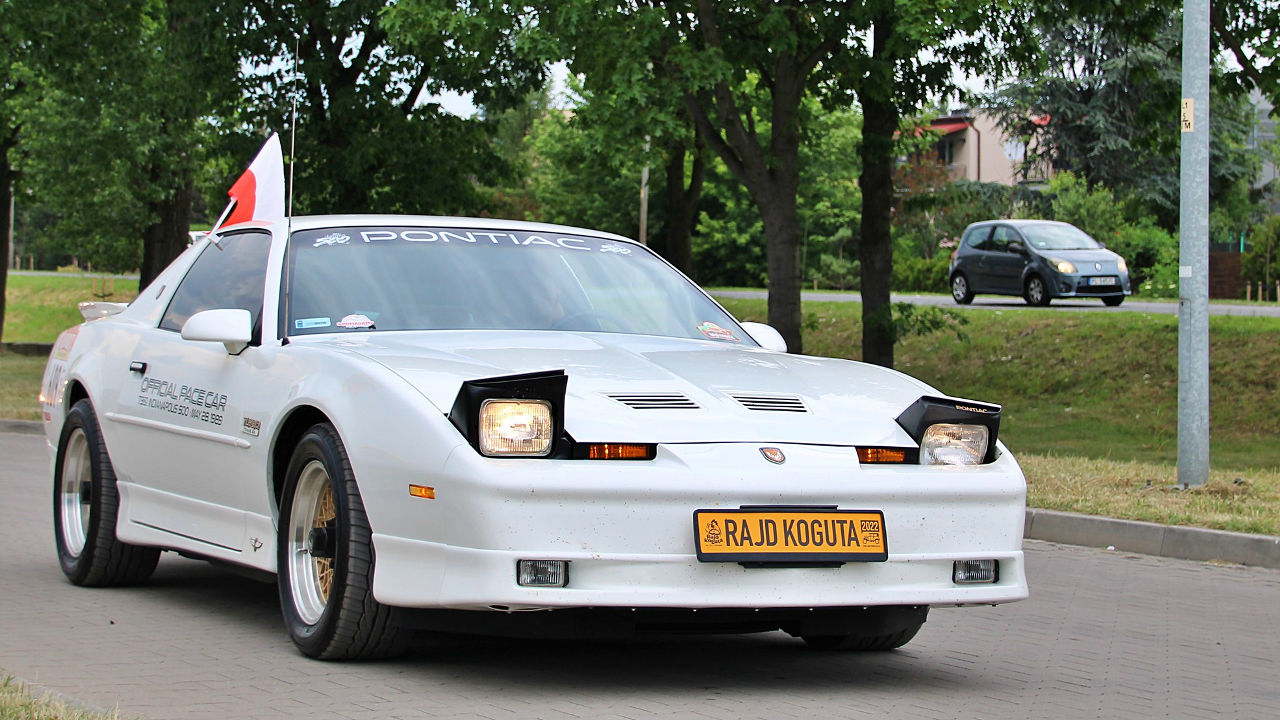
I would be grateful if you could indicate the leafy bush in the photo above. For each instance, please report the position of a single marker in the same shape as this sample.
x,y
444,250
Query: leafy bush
x,y
916,274
1144,246
835,273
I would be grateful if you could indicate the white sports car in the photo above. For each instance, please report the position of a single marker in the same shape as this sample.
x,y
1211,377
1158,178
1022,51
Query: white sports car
x,y
499,427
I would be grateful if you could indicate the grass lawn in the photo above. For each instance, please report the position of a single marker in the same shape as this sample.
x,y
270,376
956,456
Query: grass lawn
x,y
38,307
1090,404
17,703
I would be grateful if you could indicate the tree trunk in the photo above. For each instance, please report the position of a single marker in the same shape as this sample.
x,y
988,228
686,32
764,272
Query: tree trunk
x,y
166,238
6,206
682,205
782,251
875,246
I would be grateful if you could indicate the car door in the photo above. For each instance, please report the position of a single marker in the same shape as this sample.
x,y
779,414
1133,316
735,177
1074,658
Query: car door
x,y
977,243
1005,261
180,411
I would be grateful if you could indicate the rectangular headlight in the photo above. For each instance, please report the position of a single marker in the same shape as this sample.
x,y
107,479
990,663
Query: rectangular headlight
x,y
953,444
521,428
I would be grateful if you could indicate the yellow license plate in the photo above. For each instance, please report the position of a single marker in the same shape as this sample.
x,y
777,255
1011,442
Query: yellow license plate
x,y
790,535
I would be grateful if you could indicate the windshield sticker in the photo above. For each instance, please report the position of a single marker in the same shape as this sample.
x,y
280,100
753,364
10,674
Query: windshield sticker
x,y
332,239
355,321
487,237
308,323
715,332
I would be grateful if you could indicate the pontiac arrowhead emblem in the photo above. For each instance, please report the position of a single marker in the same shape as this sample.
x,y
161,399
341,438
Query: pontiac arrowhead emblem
x,y
773,455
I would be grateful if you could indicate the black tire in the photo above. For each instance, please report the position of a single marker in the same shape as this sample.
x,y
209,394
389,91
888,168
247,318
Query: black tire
x,y
961,292
325,564
1113,301
1035,292
86,504
862,643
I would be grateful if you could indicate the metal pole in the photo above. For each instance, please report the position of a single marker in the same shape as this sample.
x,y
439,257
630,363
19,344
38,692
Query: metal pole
x,y
11,239
1193,249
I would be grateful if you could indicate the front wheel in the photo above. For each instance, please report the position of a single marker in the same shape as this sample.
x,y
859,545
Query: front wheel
x,y
86,504
1035,292
325,558
1113,301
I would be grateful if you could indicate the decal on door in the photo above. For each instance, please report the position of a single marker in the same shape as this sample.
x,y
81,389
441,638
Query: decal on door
x,y
189,401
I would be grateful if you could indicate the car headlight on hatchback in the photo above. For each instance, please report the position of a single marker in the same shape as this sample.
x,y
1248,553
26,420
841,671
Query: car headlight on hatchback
x,y
953,444
1063,266
1124,266
523,428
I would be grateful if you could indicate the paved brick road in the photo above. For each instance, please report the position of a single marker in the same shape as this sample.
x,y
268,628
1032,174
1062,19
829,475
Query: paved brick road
x,y
1104,635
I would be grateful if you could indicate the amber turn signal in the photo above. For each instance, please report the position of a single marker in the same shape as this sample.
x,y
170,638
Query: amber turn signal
x,y
621,451
881,455
422,491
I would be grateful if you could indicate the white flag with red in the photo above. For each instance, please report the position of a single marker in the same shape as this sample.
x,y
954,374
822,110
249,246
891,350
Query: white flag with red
x,y
259,193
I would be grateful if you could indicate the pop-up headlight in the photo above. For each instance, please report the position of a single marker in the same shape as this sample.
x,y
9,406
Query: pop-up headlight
x,y
514,415
952,444
516,427
952,432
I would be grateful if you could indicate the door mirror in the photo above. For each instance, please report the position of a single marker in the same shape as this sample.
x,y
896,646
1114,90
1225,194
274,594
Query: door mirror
x,y
766,336
1017,247
232,328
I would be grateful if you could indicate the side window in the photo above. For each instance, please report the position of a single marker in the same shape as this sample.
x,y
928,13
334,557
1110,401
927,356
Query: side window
x,y
1001,238
229,275
977,237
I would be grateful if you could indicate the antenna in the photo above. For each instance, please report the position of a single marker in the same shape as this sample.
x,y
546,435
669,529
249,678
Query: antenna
x,y
283,332
293,126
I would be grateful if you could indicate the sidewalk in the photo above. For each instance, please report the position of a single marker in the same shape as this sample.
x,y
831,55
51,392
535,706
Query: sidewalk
x,y
1184,543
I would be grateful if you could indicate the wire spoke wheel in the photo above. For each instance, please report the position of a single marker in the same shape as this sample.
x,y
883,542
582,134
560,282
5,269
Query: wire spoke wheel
x,y
312,524
75,491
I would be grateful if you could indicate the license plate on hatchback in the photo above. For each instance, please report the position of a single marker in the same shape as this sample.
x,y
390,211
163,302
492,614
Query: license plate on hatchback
x,y
789,535
1103,281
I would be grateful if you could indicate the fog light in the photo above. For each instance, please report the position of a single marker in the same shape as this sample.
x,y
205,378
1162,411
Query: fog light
x,y
542,573
969,572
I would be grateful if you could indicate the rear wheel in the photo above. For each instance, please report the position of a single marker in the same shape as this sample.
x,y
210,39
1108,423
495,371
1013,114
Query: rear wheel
x,y
325,558
86,504
1035,292
1113,301
960,290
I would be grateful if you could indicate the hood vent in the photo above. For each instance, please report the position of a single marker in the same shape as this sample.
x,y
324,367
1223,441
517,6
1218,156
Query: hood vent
x,y
654,401
771,403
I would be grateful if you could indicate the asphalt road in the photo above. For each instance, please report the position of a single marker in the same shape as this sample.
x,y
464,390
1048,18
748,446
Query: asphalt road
x,y
1104,635
1002,302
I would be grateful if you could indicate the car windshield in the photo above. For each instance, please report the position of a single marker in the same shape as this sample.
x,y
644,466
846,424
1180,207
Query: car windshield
x,y
1058,237
360,279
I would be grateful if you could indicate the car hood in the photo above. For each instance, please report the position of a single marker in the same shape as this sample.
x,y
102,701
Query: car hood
x,y
1083,256
704,391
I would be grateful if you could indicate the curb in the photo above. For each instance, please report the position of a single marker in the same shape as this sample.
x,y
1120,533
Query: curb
x,y
32,349
1172,541
22,427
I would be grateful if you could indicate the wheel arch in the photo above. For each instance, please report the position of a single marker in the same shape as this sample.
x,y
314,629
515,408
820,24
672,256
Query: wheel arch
x,y
290,432
76,391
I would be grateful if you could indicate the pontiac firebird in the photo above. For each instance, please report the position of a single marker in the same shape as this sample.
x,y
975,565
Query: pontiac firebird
x,y
479,426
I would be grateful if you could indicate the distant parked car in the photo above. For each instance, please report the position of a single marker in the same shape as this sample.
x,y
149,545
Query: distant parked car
x,y
1037,259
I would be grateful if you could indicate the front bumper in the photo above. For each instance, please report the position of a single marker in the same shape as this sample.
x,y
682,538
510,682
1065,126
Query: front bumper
x,y
626,530
1087,285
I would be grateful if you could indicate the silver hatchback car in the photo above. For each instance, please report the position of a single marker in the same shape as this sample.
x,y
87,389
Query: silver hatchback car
x,y
1037,259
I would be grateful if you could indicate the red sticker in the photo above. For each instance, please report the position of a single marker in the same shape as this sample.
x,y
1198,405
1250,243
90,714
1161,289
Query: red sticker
x,y
715,332
355,321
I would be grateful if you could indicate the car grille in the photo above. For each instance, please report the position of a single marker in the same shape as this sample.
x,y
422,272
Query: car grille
x,y
771,403
654,401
